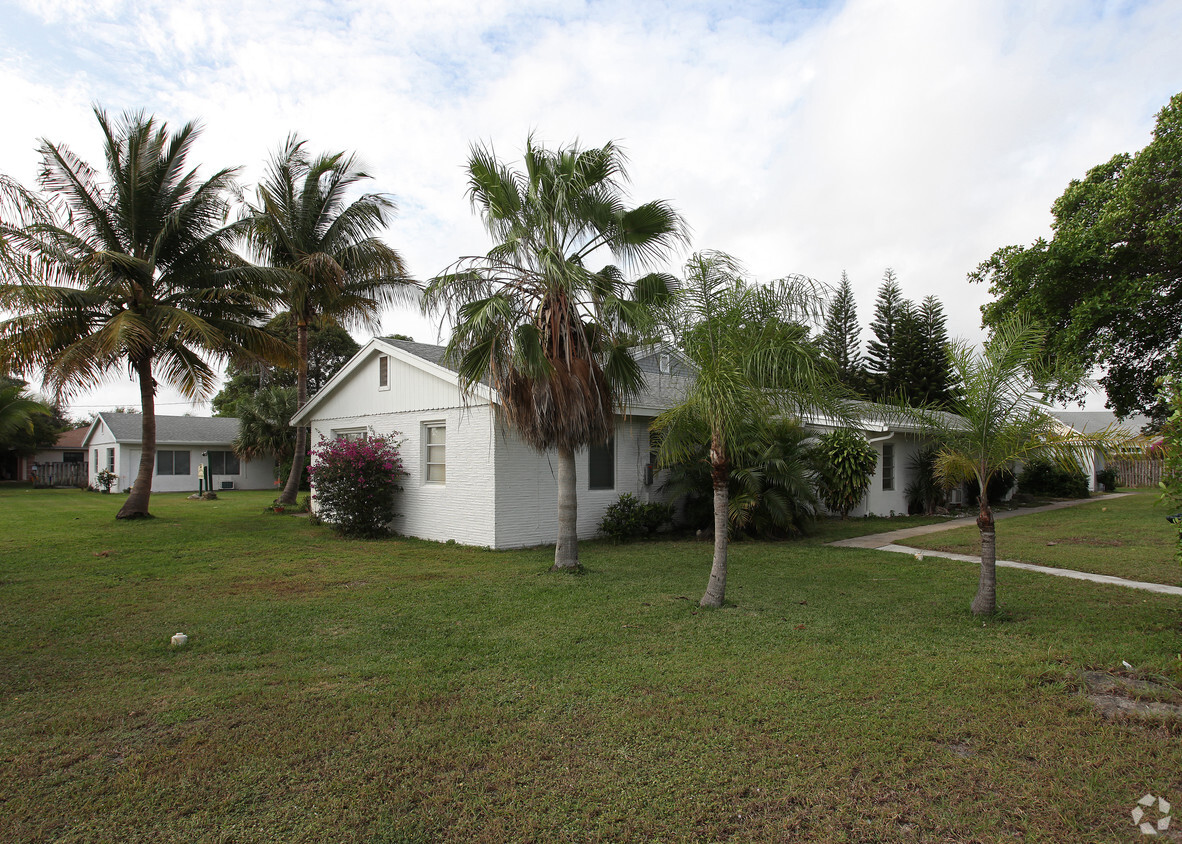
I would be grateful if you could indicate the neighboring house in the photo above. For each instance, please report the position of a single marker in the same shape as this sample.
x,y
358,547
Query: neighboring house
x,y
472,479
64,463
1091,421
183,443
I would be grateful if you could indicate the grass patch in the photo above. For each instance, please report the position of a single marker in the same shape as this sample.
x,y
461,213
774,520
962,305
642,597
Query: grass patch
x,y
1124,537
406,691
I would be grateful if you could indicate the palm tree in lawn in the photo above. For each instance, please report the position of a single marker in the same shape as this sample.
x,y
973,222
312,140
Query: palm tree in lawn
x,y
264,427
753,358
1002,415
337,271
132,271
551,336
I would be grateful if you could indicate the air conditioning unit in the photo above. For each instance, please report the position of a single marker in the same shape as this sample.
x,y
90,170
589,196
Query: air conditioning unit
x,y
227,485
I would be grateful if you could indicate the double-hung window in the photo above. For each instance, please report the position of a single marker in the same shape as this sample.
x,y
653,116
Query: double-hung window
x,y
435,453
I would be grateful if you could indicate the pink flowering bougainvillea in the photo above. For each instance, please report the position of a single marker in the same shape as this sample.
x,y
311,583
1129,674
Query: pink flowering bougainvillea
x,y
354,483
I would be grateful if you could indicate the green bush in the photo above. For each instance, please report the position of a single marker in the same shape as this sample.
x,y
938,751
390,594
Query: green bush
x,y
630,518
1041,477
1106,478
771,484
924,493
845,468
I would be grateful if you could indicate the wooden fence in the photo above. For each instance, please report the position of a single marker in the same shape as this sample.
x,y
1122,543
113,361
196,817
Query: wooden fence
x,y
1137,471
60,474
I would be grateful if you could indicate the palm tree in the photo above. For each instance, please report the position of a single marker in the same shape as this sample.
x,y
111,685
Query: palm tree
x,y
551,336
1002,416
264,424
753,359
17,411
133,271
337,271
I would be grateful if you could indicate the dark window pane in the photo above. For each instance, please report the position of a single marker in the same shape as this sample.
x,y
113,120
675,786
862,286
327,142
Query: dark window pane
x,y
601,466
164,463
180,462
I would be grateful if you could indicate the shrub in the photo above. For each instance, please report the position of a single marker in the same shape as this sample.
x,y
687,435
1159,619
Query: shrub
x,y
771,490
845,468
106,479
999,486
630,518
924,493
1041,477
1106,478
354,483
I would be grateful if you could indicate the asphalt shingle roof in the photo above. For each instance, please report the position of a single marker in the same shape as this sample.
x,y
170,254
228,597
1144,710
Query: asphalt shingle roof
x,y
1090,421
219,430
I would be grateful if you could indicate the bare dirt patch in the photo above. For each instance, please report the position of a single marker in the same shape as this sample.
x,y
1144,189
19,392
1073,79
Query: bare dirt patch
x,y
1115,696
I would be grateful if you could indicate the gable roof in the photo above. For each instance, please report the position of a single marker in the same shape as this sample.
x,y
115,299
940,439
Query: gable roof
x,y
190,430
73,438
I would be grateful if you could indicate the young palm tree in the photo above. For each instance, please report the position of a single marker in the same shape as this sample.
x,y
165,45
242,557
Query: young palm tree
x,y
264,424
134,271
1002,416
337,271
753,358
550,335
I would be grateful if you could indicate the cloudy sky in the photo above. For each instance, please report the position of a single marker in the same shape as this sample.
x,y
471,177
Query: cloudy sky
x,y
804,137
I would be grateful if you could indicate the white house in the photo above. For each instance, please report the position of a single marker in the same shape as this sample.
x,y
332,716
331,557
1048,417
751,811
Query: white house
x,y
473,480
114,442
1093,421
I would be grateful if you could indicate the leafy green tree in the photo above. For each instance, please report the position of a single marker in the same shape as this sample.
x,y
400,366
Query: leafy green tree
x,y
336,269
841,339
750,348
135,272
1108,284
551,336
1001,416
881,352
329,348
845,467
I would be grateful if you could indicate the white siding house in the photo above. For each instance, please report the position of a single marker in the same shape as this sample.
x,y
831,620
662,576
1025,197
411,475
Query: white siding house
x,y
473,480
114,442
470,478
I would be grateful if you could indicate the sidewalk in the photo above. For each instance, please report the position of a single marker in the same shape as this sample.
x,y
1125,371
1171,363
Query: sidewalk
x,y
889,541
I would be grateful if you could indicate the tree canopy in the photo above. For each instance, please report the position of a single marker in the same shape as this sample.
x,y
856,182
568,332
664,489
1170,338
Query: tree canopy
x,y
1108,283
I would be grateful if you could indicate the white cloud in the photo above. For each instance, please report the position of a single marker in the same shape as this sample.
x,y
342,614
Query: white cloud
x,y
920,135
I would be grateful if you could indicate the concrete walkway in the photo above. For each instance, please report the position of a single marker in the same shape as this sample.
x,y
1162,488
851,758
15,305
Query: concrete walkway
x,y
889,541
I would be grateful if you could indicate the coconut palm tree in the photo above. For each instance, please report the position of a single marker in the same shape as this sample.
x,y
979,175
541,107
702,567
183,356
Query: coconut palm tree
x,y
17,411
1001,416
133,270
337,270
753,358
551,336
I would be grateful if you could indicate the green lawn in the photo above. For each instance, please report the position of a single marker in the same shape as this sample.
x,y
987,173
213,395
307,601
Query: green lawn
x,y
1126,537
404,691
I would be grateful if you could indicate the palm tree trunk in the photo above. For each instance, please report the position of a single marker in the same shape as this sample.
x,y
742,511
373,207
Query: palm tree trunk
x,y
566,549
986,601
292,488
136,505
716,588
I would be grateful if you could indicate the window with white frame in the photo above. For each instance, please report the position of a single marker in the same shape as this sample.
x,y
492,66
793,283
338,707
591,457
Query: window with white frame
x,y
601,466
110,460
383,372
665,364
888,466
172,462
435,453
350,434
